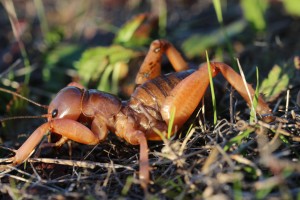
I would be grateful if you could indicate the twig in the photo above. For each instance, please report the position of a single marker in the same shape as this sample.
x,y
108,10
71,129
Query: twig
x,y
247,89
83,164
287,103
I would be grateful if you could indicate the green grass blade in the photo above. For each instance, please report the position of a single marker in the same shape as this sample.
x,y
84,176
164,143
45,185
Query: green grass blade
x,y
253,118
105,84
246,86
218,9
200,42
14,22
171,122
213,97
162,23
42,16
254,12
237,139
237,189
292,7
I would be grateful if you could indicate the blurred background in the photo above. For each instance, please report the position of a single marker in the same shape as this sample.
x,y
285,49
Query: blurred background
x,y
52,42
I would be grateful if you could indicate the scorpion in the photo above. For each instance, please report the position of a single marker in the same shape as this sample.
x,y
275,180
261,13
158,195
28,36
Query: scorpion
x,y
147,111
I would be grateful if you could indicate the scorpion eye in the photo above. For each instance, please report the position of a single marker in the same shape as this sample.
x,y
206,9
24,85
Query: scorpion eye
x,y
54,113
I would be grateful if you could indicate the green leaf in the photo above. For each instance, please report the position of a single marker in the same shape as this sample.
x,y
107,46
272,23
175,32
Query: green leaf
x,y
292,7
255,99
57,61
198,43
126,35
53,37
254,11
100,62
276,82
218,9
237,139
213,96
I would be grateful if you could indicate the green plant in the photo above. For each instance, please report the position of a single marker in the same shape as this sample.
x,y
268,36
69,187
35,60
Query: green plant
x,y
254,12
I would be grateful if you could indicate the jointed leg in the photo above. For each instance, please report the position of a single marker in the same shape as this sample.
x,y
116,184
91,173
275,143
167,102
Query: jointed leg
x,y
137,137
237,83
144,161
70,129
187,94
151,66
185,97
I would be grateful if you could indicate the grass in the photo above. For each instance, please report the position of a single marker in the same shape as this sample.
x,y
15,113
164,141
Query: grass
x,y
218,9
213,96
14,22
210,158
253,117
253,100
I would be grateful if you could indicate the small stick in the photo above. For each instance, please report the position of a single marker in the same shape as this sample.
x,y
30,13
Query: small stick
x,y
287,103
231,111
22,97
247,89
15,64
83,164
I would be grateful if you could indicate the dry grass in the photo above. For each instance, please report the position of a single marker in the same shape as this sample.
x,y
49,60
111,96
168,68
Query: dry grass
x,y
220,162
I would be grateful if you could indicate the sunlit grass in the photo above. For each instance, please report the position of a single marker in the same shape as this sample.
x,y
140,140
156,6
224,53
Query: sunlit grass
x,y
292,7
213,96
254,11
253,118
163,18
237,139
171,121
42,16
218,9
252,106
14,22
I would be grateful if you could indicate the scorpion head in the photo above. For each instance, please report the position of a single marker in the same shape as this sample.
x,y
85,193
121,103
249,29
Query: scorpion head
x,y
66,104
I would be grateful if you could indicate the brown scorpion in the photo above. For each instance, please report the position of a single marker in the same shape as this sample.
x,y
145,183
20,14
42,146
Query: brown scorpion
x,y
147,111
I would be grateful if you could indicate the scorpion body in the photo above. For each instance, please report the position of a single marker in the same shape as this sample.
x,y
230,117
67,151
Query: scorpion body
x,y
136,119
148,98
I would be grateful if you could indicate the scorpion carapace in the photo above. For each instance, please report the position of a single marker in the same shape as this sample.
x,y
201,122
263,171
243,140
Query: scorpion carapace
x,y
148,108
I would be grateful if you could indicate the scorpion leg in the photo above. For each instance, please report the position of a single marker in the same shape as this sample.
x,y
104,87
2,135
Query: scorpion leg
x,y
138,137
144,160
27,148
77,132
151,66
192,89
68,128
236,81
